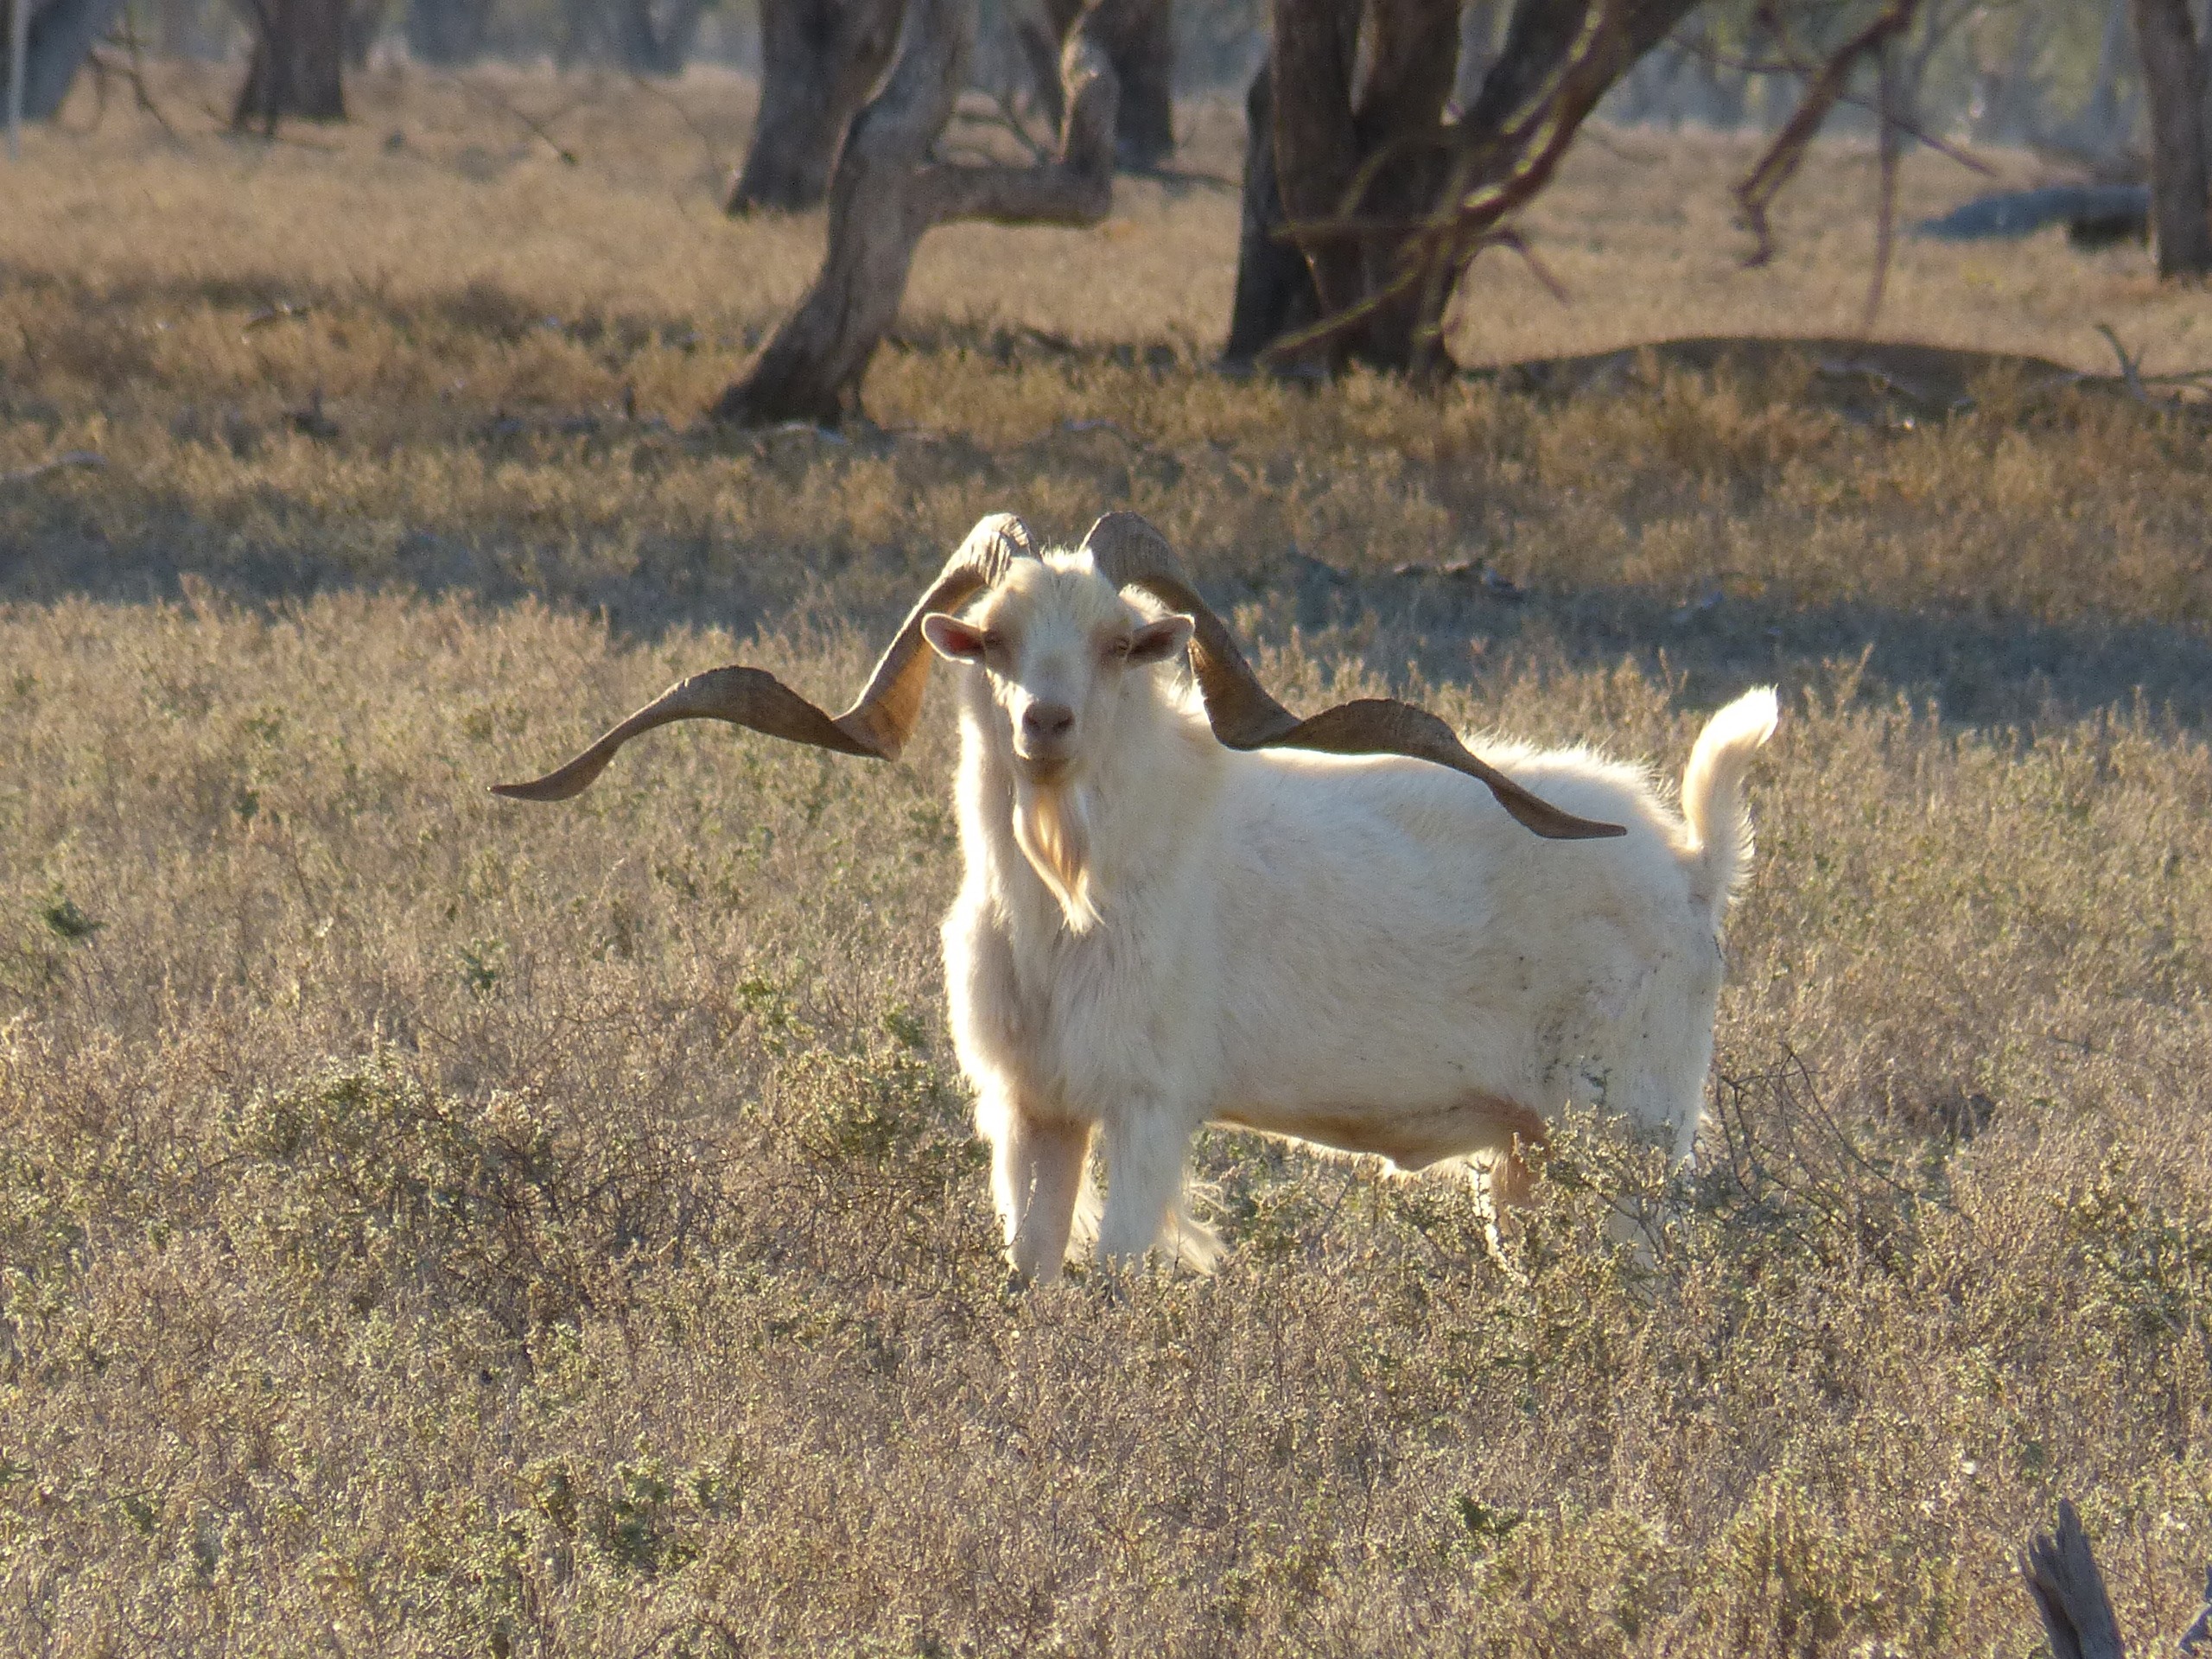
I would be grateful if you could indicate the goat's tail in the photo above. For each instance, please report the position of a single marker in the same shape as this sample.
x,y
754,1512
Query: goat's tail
x,y
1713,794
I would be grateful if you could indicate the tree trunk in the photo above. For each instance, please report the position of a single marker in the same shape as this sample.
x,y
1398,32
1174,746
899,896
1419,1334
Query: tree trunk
x,y
2007,95
1274,286
2181,199
1359,137
61,35
1138,37
886,194
2102,126
298,64
447,33
650,45
1477,50
1330,129
819,61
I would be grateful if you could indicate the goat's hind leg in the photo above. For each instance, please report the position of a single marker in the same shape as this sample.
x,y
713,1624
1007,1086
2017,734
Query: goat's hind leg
x,y
1504,1186
1037,1166
1145,1154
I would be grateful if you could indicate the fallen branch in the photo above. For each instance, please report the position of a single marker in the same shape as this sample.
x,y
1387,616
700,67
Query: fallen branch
x,y
91,461
2131,368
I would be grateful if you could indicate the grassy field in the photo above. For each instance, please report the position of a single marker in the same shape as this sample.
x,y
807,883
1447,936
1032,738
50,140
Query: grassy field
x,y
433,1225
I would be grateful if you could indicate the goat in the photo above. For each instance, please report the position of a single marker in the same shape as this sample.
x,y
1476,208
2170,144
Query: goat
x,y
1184,905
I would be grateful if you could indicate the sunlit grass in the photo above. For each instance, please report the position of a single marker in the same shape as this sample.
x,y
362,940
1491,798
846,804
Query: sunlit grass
x,y
433,1224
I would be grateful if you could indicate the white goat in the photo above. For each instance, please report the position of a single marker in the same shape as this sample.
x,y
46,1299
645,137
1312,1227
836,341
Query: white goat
x,y
1178,911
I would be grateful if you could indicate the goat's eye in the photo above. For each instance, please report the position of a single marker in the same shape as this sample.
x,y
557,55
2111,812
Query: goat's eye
x,y
1120,648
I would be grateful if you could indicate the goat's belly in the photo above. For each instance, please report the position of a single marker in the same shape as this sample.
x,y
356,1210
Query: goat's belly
x,y
1410,1136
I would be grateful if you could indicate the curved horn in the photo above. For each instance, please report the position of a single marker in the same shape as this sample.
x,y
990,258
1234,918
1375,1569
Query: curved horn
x,y
1130,553
877,725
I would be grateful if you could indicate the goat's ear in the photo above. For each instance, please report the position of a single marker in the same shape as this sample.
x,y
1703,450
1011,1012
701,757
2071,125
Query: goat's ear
x,y
953,640
1156,642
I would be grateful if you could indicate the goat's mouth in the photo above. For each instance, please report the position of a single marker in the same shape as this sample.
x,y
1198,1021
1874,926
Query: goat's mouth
x,y
1044,769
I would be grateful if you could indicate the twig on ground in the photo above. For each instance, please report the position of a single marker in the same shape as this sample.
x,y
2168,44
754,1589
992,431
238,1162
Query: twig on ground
x,y
713,161
538,128
277,311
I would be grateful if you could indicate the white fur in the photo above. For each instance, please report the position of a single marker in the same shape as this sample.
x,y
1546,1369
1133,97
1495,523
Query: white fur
x,y
1364,953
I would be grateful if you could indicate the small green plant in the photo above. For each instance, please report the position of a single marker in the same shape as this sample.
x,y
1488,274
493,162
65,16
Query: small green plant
x,y
1486,1525
907,1026
65,920
481,962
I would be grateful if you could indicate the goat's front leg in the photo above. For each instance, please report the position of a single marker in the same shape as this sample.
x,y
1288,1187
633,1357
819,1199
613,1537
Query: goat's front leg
x,y
1146,1148
1036,1177
1507,1186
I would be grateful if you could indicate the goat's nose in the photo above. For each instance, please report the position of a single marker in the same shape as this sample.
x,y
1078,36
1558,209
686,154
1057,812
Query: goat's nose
x,y
1047,720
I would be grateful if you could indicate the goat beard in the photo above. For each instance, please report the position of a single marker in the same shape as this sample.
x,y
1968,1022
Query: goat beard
x,y
1051,825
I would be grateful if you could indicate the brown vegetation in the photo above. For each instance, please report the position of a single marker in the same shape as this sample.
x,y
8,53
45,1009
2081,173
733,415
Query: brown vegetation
x,y
433,1225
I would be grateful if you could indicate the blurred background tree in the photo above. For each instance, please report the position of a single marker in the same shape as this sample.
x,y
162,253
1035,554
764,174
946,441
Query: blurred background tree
x,y
1389,141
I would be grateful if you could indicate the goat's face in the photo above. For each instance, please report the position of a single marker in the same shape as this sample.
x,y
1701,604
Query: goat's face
x,y
1057,642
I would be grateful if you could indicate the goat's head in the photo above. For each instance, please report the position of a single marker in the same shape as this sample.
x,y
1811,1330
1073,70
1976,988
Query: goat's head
x,y
1057,643
1046,675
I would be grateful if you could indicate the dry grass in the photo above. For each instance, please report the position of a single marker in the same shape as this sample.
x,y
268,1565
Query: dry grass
x,y
433,1225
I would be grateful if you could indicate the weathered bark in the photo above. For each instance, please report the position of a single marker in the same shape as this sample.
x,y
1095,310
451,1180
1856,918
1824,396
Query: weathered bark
x,y
447,33
2181,197
1361,138
1275,285
61,34
819,61
886,194
1138,37
1330,129
298,64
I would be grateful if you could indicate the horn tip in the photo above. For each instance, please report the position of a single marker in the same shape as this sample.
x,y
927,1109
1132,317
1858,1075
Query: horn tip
x,y
542,789
1583,829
